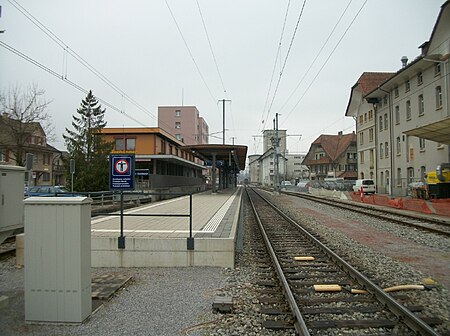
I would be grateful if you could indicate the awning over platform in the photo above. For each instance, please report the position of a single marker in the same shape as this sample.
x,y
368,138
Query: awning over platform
x,y
438,131
237,153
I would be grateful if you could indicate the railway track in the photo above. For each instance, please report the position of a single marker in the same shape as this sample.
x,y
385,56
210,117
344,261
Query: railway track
x,y
425,224
8,248
324,293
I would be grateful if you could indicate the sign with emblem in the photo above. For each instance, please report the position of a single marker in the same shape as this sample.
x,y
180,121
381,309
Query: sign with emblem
x,y
121,172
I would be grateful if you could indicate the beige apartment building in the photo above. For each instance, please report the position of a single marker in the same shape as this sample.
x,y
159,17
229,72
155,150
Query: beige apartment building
x,y
363,113
184,123
410,118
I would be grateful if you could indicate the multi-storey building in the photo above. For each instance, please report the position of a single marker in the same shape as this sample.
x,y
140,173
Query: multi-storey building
x,y
253,166
332,156
164,159
364,114
17,139
412,116
295,169
184,123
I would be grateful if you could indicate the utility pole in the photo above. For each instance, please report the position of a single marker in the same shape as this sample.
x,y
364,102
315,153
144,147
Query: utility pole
x,y
232,139
223,117
276,144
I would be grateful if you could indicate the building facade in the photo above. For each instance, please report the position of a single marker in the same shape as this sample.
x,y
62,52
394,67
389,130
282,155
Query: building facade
x,y
18,139
160,154
363,113
412,116
184,123
332,156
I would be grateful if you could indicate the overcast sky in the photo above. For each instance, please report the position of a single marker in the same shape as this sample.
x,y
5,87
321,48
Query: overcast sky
x,y
137,47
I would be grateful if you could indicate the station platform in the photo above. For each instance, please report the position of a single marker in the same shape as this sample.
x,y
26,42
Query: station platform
x,y
163,241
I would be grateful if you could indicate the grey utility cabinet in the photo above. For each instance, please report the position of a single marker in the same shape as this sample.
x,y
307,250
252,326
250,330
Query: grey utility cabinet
x,y
57,259
11,199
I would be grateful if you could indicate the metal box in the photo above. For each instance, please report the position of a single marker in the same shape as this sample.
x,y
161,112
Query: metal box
x,y
11,199
57,259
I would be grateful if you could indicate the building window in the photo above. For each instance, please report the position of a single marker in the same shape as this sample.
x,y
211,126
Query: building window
x,y
365,117
397,115
385,121
421,105
399,177
396,91
422,144
361,138
177,124
46,177
410,175
178,136
419,78
370,134
371,158
437,69
130,144
381,151
399,147
438,97
407,85
381,123
361,119
361,157
381,178
177,113
119,144
386,149
370,115
385,99
408,110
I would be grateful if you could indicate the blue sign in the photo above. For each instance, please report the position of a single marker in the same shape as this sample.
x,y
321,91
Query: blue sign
x,y
121,172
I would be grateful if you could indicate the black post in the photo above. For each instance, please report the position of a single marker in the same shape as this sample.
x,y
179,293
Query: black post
x,y
190,240
121,238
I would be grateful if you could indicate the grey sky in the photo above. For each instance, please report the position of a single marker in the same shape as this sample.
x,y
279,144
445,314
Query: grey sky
x,y
136,45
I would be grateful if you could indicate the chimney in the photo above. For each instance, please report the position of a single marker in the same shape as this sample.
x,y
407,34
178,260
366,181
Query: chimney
x,y
404,60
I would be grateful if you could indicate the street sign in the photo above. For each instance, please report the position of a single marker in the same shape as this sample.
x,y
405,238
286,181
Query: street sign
x,y
121,172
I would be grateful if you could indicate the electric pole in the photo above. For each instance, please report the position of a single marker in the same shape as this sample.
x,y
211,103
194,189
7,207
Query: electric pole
x,y
276,149
223,117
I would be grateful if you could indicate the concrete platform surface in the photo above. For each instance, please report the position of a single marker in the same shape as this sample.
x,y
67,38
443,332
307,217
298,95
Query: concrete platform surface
x,y
162,241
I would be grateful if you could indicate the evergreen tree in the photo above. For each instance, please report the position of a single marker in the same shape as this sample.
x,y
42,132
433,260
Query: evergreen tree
x,y
87,147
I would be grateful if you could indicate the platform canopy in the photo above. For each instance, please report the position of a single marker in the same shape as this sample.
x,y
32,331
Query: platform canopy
x,y
438,131
205,152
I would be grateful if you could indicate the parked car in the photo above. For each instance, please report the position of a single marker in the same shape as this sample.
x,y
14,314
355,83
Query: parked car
x,y
49,191
367,185
286,185
303,186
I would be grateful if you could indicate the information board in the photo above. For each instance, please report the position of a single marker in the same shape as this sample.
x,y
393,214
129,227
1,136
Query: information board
x,y
121,172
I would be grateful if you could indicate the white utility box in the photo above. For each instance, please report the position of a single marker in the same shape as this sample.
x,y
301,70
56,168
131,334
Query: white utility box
x,y
11,199
57,259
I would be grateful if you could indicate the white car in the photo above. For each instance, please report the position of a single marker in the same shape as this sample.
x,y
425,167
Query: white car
x,y
367,185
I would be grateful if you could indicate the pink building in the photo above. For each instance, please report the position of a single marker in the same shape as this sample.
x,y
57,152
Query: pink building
x,y
184,123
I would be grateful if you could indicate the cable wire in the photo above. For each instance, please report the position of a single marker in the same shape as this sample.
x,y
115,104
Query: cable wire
x,y
328,58
285,60
189,51
67,50
317,56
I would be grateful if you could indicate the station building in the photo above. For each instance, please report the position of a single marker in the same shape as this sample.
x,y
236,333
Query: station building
x,y
161,158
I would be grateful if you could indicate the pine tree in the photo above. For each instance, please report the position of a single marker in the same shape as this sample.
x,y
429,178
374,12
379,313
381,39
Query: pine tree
x,y
87,148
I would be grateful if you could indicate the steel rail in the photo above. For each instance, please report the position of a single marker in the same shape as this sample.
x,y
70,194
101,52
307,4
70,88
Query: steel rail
x,y
300,325
364,210
411,320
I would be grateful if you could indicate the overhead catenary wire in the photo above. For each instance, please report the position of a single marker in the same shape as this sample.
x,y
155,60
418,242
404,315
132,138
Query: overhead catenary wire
x,y
326,61
317,56
190,52
69,51
56,74
215,62
285,61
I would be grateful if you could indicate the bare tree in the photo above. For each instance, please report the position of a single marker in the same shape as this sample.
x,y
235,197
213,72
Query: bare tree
x,y
21,113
